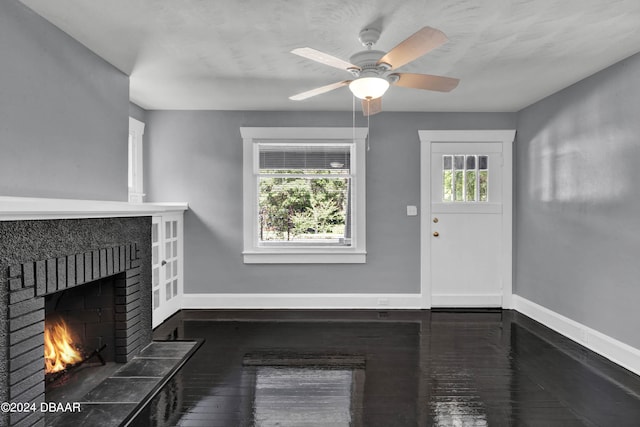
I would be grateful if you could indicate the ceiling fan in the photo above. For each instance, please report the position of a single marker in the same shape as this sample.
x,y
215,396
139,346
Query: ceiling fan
x,y
373,70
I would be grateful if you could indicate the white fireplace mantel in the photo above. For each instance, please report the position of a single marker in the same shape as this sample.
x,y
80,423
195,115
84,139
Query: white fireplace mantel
x,y
27,208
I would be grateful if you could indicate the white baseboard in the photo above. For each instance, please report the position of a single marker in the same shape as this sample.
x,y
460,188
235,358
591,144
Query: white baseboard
x,y
618,352
466,300
614,350
303,301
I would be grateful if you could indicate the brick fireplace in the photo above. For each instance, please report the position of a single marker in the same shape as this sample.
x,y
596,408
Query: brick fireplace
x,y
40,260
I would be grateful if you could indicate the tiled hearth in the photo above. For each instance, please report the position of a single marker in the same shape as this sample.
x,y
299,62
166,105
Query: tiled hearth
x,y
117,399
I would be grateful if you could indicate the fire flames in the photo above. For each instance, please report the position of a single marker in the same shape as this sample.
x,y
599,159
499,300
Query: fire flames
x,y
59,351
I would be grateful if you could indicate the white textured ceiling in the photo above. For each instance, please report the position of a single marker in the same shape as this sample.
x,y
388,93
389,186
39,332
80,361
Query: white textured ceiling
x,y
234,54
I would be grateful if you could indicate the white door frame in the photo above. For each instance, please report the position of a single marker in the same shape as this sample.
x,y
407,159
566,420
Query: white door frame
x,y
427,137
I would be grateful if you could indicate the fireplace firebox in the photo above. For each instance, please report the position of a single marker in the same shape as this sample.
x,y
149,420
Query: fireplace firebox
x,y
80,325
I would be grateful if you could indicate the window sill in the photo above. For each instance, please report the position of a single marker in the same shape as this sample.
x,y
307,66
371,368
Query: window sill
x,y
281,257
301,244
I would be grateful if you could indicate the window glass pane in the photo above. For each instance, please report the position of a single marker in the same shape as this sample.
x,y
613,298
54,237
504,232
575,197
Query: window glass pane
x,y
459,182
471,162
175,287
154,233
175,267
304,210
459,162
156,299
447,194
175,228
154,255
175,248
167,250
471,186
167,271
167,229
483,183
447,162
484,162
167,291
156,277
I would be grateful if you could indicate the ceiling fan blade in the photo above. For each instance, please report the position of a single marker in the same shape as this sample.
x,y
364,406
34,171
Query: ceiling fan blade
x,y
426,82
371,106
323,58
421,42
318,90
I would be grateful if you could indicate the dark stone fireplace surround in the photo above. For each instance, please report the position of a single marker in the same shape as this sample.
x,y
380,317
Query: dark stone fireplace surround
x,y
40,257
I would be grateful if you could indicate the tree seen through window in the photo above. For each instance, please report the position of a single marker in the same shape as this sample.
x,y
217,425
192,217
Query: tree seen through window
x,y
303,208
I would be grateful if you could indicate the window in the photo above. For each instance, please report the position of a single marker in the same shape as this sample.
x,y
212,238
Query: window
x,y
465,178
304,195
136,130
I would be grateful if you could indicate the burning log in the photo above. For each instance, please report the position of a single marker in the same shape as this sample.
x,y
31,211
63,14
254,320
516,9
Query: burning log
x,y
59,349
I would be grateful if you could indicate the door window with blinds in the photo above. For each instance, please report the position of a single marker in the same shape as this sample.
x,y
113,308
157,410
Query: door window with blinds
x,y
304,196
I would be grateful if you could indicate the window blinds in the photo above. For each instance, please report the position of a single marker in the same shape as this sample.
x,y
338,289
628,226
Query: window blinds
x,y
291,157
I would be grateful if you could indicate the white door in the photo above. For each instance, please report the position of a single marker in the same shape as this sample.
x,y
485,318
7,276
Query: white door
x,y
166,266
466,218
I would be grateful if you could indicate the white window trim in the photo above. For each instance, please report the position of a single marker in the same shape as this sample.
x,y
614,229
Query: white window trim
x,y
254,254
136,132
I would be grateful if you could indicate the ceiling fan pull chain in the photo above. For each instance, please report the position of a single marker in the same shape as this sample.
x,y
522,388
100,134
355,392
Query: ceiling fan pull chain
x,y
368,118
353,118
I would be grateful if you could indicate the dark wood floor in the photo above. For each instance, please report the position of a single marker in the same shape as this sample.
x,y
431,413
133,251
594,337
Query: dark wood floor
x,y
396,368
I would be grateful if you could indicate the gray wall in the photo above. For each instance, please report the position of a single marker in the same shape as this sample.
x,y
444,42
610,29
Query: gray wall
x,y
196,156
63,113
577,202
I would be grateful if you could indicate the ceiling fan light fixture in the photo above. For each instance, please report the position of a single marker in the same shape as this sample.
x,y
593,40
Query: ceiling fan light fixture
x,y
369,87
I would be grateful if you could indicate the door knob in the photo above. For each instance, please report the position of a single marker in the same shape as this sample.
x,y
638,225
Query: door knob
x,y
163,263
435,220
436,234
